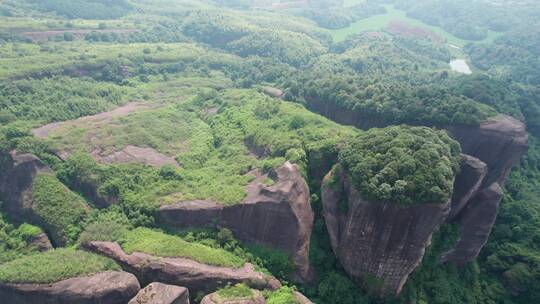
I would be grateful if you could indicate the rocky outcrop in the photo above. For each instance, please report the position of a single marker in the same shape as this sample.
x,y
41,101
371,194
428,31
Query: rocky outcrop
x,y
278,216
101,288
159,293
17,175
301,299
41,242
476,222
499,143
467,183
195,276
378,243
214,298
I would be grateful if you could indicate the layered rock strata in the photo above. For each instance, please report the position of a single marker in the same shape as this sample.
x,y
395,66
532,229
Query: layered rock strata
x,y
278,216
214,298
102,288
159,293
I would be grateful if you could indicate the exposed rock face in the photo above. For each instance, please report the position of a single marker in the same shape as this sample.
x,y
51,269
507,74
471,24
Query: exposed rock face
x,y
102,288
467,183
214,299
279,216
17,174
498,143
195,276
159,293
476,222
378,243
42,242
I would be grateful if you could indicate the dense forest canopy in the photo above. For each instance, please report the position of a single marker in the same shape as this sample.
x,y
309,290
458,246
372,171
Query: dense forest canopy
x,y
225,92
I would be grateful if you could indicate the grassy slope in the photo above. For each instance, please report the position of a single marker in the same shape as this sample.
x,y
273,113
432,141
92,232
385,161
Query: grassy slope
x,y
53,266
163,245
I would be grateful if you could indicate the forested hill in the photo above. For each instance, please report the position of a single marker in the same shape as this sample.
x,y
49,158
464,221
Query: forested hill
x,y
346,152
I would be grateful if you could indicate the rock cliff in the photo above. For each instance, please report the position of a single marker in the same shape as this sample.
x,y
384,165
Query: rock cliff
x,y
278,216
491,150
378,243
101,288
195,276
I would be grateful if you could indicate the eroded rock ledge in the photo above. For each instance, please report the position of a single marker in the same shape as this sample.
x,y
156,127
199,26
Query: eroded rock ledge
x,y
103,288
278,216
195,276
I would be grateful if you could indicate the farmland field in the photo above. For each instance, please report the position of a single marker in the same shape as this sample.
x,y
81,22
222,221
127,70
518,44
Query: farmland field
x,y
378,22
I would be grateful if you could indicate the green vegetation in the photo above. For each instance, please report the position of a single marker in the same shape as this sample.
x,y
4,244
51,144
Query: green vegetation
x,y
236,292
90,9
53,266
163,245
407,165
60,209
14,241
284,295
197,71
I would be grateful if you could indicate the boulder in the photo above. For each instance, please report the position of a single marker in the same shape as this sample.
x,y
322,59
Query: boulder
x,y
301,299
159,293
41,242
103,288
378,244
213,298
278,216
195,276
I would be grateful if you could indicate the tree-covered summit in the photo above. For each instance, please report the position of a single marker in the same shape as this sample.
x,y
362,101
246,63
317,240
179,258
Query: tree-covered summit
x,y
401,164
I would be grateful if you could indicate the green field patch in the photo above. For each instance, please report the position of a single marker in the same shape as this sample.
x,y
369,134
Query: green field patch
x,y
53,266
163,245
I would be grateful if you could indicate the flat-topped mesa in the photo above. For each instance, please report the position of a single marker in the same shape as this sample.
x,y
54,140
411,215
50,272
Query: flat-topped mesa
x,y
195,276
111,287
278,216
379,244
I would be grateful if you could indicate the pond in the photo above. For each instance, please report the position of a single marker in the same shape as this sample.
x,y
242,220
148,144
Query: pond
x,y
460,66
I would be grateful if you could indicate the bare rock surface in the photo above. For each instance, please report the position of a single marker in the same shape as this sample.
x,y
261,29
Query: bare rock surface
x,y
279,216
159,293
377,242
103,288
476,223
301,298
105,117
213,298
134,154
42,242
195,276
467,183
